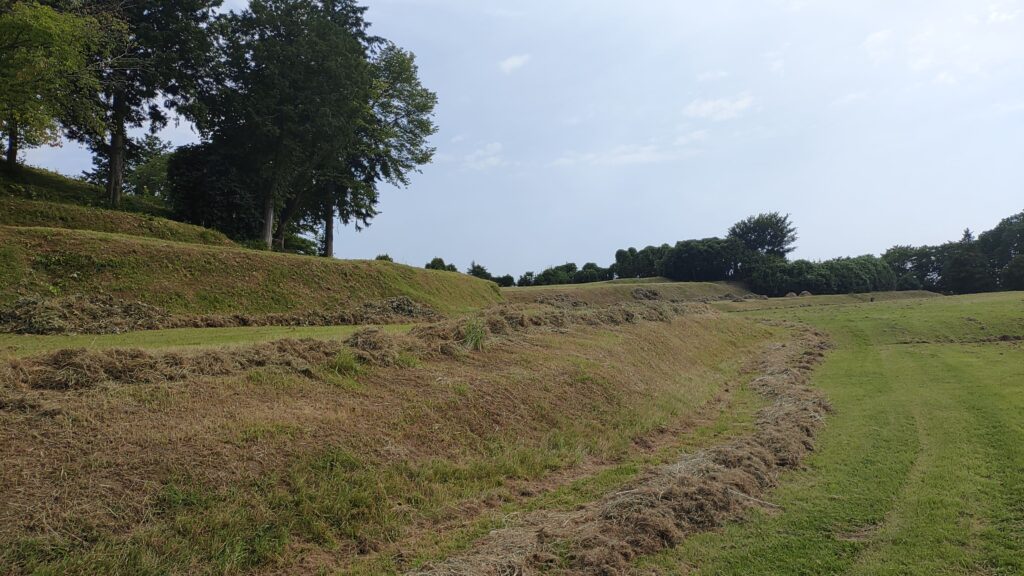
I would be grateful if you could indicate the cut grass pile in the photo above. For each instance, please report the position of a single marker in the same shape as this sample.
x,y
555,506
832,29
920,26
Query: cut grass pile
x,y
920,467
273,471
191,279
33,213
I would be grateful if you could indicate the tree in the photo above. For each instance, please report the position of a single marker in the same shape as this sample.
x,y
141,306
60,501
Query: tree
x,y
390,141
163,52
439,264
527,279
506,281
45,73
967,270
145,167
208,186
1013,275
1004,243
384,258
708,260
769,234
478,271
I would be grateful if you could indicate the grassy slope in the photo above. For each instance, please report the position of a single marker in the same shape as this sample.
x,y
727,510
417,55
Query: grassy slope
x,y
600,293
192,279
302,472
34,213
35,197
38,184
920,468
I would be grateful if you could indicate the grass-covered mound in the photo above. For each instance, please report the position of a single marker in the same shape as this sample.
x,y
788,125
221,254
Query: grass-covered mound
x,y
39,184
35,197
189,279
20,212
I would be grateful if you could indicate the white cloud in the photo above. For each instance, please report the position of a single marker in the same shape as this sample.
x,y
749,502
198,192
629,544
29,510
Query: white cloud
x,y
1000,13
720,109
513,63
776,61
691,137
712,75
878,45
489,156
637,154
849,99
628,155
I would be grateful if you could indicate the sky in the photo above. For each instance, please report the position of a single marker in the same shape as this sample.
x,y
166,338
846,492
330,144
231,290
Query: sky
x,y
572,128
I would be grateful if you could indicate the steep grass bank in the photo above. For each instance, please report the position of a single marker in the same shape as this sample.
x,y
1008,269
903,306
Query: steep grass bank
x,y
195,279
39,184
34,213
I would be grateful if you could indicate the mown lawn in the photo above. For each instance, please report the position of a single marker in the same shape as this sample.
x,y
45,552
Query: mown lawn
x,y
920,470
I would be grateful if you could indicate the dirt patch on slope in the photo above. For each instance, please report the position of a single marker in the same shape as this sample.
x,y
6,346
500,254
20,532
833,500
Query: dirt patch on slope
x,y
105,314
698,492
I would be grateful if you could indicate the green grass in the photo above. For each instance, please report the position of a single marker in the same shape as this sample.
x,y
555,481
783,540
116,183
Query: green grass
x,y
34,213
182,338
197,279
40,184
920,469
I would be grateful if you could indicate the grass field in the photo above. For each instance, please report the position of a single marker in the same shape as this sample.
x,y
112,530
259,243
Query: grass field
x,y
921,469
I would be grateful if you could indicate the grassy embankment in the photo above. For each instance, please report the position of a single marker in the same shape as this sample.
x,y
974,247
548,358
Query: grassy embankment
x,y
37,198
353,469
920,468
195,279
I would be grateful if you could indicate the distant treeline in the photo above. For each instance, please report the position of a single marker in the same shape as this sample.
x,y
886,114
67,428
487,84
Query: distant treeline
x,y
755,251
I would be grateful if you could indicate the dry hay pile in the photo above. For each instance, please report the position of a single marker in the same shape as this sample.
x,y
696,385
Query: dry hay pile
x,y
81,368
646,294
560,301
105,314
98,314
78,368
698,492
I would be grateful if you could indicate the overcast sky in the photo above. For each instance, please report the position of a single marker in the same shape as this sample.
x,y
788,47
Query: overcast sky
x,y
571,128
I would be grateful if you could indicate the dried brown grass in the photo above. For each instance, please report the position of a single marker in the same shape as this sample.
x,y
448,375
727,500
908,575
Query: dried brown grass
x,y
700,491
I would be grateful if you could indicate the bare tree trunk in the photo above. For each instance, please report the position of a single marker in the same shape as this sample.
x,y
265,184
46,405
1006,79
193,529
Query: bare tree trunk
x,y
116,154
268,221
329,232
291,206
13,144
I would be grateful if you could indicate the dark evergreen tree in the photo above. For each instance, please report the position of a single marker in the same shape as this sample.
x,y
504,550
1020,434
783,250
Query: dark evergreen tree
x,y
770,234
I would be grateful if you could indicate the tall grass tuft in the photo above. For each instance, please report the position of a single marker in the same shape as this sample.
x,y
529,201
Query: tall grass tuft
x,y
475,335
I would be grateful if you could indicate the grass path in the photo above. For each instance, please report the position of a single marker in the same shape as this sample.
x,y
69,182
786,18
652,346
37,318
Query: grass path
x,y
921,470
24,345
